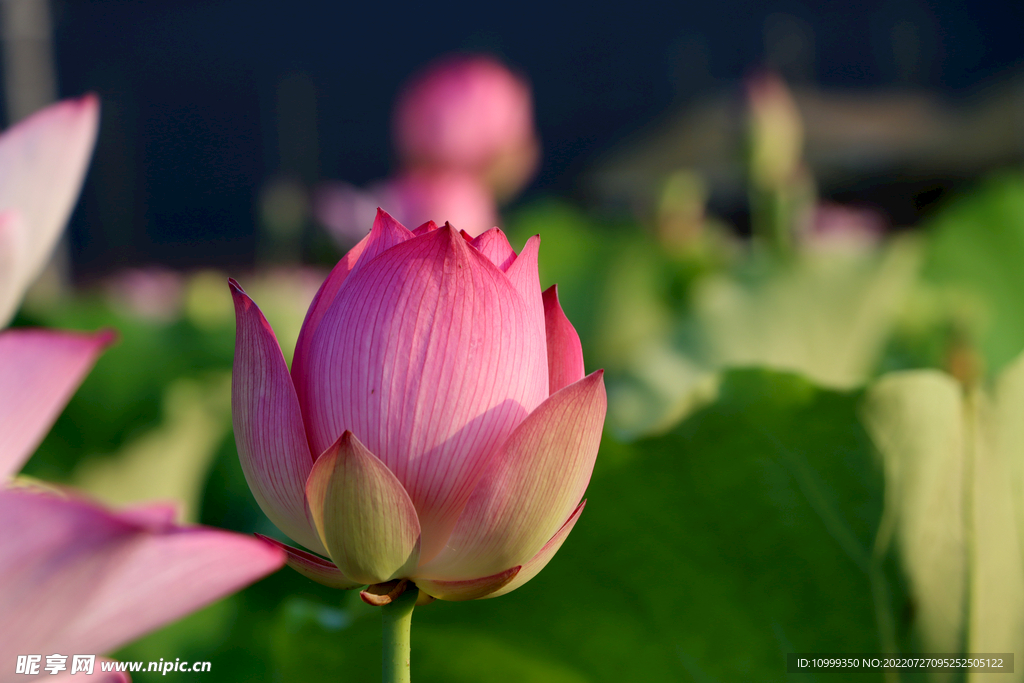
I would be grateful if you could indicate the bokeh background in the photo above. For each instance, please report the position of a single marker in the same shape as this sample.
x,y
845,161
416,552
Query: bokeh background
x,y
744,294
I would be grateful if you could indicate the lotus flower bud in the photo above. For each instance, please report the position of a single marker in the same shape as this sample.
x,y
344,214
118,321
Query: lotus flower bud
x,y
436,424
470,114
776,132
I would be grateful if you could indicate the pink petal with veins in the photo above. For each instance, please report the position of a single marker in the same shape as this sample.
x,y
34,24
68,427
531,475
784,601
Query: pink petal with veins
x,y
565,354
269,432
39,371
530,488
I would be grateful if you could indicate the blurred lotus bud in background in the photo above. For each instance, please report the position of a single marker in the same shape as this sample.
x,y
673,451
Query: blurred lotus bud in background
x,y
782,190
465,139
681,210
775,129
413,198
473,114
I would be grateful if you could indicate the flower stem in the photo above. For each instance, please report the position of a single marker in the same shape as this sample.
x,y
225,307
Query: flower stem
x,y
397,621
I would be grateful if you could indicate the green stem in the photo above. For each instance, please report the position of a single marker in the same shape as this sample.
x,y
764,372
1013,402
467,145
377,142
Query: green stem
x,y
397,620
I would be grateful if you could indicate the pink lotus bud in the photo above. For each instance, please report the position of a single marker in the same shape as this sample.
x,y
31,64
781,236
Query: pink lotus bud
x,y
436,424
470,114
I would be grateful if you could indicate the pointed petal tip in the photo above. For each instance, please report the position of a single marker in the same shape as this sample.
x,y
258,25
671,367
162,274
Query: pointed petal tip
x,y
89,103
383,218
107,337
429,226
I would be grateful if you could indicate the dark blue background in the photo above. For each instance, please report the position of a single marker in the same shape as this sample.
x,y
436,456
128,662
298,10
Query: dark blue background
x,y
188,87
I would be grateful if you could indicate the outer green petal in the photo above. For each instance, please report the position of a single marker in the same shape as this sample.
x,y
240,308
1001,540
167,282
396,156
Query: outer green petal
x,y
363,515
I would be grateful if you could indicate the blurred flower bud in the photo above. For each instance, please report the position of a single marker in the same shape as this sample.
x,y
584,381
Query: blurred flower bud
x,y
680,217
472,114
775,129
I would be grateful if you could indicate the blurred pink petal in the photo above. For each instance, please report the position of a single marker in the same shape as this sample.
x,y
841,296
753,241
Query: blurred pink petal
x,y
150,293
412,198
39,371
98,676
77,578
837,227
13,254
345,210
42,163
470,114
443,196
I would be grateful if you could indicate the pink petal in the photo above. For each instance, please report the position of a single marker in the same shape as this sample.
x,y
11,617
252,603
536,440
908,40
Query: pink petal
x,y
530,487
524,276
76,578
471,589
98,675
541,559
321,302
43,161
269,432
565,354
39,371
493,244
13,253
364,516
428,357
312,566
429,226
386,233
153,516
